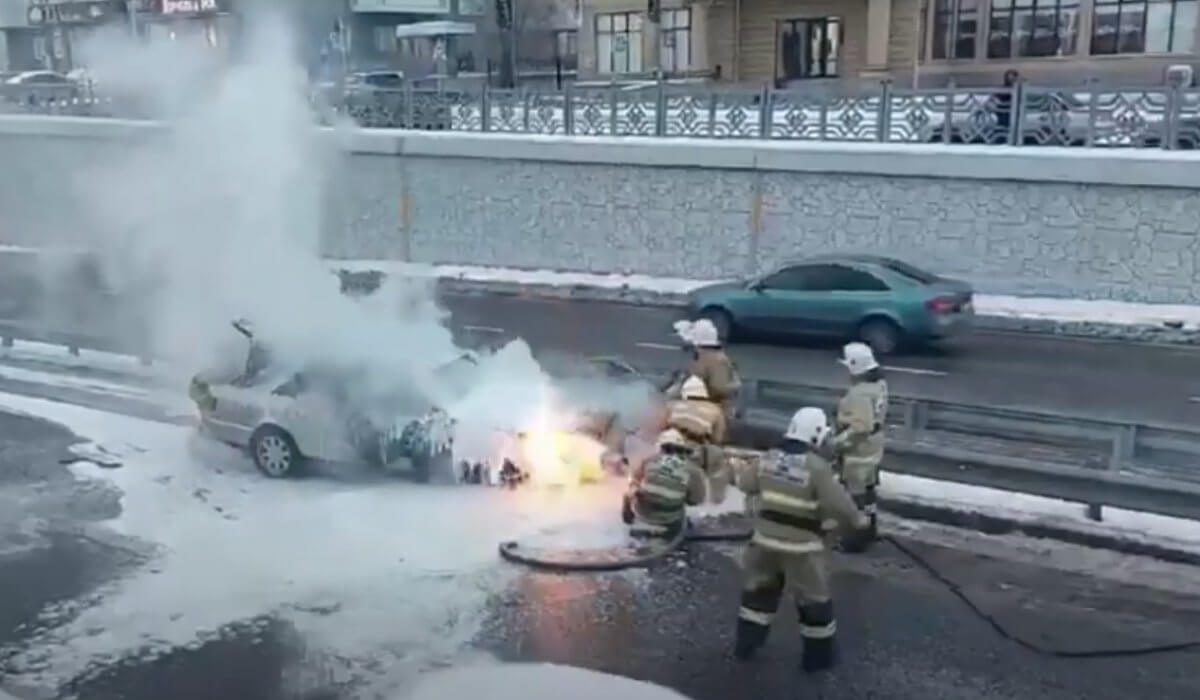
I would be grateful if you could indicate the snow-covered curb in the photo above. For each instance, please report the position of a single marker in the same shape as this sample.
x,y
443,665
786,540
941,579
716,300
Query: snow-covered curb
x,y
1160,323
996,512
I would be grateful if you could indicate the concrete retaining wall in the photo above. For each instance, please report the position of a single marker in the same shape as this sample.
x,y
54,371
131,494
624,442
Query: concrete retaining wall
x,y
1118,224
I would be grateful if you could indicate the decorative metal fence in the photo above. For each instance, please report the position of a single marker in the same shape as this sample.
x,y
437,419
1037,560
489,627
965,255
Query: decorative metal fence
x,y
1023,115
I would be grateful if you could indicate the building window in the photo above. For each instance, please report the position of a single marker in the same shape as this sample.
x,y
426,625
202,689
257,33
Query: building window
x,y
675,33
1144,26
619,42
955,26
1033,28
808,48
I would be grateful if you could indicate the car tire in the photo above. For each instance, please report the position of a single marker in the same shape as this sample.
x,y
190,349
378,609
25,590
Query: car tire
x,y
882,335
275,453
721,320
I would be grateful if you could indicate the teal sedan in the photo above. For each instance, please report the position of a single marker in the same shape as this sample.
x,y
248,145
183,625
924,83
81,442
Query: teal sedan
x,y
883,302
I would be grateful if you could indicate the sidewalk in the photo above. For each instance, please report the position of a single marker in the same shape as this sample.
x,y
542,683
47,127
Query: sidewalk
x,y
1157,323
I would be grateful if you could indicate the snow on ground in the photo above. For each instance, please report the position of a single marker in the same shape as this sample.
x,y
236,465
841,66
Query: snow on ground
x,y
68,381
1046,308
1176,533
391,575
534,682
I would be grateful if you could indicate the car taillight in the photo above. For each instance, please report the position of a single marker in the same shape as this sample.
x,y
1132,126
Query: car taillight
x,y
941,305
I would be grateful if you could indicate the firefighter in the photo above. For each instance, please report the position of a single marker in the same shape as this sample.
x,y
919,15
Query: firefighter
x,y
796,491
703,423
861,421
656,504
712,365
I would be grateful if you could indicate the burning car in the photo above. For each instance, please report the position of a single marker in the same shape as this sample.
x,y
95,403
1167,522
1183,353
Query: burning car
x,y
287,418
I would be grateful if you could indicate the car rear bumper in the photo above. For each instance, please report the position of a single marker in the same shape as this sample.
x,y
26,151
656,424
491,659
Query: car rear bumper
x,y
948,325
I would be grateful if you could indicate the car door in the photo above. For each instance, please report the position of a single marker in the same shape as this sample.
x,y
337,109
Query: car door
x,y
847,294
788,300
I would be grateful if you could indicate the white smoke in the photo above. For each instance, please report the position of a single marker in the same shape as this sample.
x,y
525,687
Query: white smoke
x,y
219,218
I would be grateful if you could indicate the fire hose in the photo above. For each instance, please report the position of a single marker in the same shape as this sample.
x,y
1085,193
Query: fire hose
x,y
635,557
639,557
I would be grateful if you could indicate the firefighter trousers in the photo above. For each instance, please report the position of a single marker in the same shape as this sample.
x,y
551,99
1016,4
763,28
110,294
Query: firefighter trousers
x,y
767,572
862,486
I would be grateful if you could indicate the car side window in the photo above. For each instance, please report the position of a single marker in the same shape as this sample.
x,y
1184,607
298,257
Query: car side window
x,y
792,279
848,279
292,387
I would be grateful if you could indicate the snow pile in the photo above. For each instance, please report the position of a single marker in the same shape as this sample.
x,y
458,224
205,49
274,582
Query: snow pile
x,y
381,579
534,682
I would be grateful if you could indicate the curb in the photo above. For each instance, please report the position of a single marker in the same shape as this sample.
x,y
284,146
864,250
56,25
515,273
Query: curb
x,y
1003,525
367,281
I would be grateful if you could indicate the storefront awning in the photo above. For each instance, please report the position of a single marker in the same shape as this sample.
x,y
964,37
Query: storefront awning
x,y
435,28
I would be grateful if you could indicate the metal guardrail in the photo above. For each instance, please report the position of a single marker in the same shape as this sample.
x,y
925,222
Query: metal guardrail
x,y
1148,468
1022,115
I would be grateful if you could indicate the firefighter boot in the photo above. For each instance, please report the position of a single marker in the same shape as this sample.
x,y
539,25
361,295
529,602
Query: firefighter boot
x,y
750,637
818,655
817,627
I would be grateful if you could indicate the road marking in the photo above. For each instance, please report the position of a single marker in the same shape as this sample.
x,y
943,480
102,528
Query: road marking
x,y
483,329
658,346
1194,399
915,370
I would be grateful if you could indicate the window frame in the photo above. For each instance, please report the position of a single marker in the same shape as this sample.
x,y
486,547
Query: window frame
x,y
824,22
955,16
1144,7
1018,50
673,31
631,35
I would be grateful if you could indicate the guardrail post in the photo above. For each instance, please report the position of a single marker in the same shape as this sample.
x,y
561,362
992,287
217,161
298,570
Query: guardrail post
x,y
525,99
73,349
766,112
1016,115
1174,108
883,123
1124,439
660,107
910,419
569,109
1093,110
613,97
6,341
485,108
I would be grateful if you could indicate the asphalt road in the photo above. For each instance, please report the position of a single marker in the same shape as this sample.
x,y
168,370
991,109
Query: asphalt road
x,y
903,636
1102,379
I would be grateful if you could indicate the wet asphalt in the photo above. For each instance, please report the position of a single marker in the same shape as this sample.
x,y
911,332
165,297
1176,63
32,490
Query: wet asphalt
x,y
902,635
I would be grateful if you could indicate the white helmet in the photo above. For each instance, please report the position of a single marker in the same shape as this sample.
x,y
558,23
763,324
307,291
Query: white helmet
x,y
704,334
858,358
808,425
671,436
693,388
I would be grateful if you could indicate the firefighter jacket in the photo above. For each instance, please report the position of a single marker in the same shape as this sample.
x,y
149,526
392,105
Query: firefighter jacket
x,y
861,421
719,375
699,420
795,493
669,484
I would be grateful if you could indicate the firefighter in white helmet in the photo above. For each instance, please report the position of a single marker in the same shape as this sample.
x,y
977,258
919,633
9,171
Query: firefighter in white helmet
x,y
659,493
859,441
712,365
797,493
702,422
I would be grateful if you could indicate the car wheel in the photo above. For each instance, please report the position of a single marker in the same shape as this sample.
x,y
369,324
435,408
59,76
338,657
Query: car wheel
x,y
721,320
883,336
274,452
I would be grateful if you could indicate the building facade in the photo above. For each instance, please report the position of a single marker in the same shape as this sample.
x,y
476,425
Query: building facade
x,y
922,43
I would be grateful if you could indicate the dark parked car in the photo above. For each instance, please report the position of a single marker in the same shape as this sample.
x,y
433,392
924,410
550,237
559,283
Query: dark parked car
x,y
882,301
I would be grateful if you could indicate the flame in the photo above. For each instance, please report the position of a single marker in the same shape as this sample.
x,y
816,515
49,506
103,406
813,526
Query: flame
x,y
556,456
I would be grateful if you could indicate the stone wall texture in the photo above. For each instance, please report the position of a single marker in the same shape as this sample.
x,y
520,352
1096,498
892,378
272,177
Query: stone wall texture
x,y
1084,239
